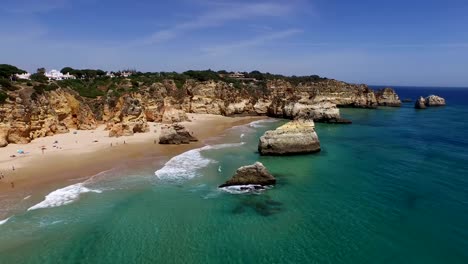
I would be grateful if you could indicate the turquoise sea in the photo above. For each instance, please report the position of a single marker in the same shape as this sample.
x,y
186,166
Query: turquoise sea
x,y
390,188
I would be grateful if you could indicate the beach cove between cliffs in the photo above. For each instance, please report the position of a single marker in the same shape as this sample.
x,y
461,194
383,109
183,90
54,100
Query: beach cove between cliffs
x,y
79,156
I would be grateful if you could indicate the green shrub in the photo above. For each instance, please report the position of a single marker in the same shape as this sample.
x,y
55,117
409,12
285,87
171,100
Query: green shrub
x,y
3,97
4,83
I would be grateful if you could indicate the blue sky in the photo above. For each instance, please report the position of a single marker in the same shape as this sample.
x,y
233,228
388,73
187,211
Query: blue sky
x,y
392,42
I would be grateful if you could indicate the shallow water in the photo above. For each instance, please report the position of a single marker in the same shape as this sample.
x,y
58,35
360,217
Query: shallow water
x,y
390,188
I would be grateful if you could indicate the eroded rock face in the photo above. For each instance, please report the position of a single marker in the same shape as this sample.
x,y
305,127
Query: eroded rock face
x,y
26,115
172,115
175,134
388,97
295,137
128,118
255,174
420,103
434,100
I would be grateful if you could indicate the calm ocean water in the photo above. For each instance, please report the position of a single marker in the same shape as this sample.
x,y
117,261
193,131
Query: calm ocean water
x,y
390,188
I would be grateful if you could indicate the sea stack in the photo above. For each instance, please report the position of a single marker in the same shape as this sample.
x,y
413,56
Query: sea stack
x,y
431,100
434,100
255,174
175,134
295,137
420,103
387,97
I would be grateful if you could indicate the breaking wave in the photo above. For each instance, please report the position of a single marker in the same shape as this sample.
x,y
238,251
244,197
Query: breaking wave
x,y
63,196
4,221
186,165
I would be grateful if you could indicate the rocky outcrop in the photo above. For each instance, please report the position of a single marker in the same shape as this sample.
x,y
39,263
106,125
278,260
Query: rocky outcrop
x,y
420,103
387,97
129,118
434,100
175,134
431,100
255,174
295,137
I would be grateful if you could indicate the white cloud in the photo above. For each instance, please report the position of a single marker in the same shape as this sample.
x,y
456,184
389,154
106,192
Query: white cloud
x,y
218,15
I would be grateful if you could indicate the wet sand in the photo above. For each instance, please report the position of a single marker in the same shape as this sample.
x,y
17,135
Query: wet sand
x,y
38,174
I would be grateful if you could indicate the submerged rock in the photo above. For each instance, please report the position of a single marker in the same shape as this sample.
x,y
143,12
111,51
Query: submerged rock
x,y
175,134
407,100
295,137
255,174
387,97
434,100
420,103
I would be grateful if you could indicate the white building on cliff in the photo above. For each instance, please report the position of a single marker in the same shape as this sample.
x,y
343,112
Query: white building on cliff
x,y
57,75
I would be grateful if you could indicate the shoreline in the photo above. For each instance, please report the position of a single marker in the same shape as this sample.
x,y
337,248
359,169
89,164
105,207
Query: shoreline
x,y
36,174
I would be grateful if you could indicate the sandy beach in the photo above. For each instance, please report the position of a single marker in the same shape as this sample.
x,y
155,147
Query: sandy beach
x,y
53,162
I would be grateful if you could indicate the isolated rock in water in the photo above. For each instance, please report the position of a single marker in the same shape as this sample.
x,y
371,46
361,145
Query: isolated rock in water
x,y
255,174
420,103
434,100
175,134
387,97
295,137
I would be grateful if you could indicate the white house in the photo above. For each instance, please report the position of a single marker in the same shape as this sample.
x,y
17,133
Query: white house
x,y
23,76
57,75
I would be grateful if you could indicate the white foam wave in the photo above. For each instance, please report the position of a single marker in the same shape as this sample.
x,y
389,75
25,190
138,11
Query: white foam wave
x,y
242,135
241,189
63,196
185,165
4,221
260,123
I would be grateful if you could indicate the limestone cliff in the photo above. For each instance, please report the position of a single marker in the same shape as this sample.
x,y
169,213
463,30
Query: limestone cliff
x,y
126,106
26,114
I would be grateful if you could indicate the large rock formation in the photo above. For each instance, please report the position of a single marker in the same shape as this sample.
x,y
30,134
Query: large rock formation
x,y
295,137
255,174
434,100
387,97
175,134
431,100
420,103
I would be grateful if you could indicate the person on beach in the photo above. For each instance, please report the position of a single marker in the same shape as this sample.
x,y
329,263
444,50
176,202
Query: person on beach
x,y
13,167
12,185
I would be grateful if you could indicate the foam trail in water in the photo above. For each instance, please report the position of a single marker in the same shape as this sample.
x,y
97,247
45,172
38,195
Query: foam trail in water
x,y
185,165
259,123
27,197
240,189
63,196
4,221
219,168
